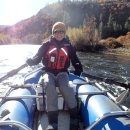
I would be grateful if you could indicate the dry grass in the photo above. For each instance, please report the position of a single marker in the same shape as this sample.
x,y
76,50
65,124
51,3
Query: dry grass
x,y
83,43
113,43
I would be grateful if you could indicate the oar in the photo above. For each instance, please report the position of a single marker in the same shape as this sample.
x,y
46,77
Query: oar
x,y
13,72
107,80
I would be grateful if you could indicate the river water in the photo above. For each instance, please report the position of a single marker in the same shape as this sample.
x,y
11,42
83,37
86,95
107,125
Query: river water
x,y
102,65
108,66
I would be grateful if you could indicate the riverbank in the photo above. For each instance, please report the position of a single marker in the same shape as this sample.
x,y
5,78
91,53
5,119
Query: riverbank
x,y
118,51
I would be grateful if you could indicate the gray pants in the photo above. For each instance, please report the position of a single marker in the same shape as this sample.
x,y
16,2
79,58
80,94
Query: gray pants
x,y
50,82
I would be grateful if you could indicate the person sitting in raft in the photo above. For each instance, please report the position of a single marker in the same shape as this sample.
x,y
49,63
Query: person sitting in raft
x,y
56,55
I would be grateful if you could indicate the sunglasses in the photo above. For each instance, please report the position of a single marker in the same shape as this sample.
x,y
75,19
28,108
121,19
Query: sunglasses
x,y
59,31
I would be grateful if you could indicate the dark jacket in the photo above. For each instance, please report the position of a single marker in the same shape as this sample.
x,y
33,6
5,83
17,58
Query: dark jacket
x,y
71,53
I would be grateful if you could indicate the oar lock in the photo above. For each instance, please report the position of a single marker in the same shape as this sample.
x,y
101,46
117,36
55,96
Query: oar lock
x,y
4,113
122,97
128,85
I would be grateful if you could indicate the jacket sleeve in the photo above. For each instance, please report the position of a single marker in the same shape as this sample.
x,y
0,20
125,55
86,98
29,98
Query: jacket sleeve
x,y
74,60
40,53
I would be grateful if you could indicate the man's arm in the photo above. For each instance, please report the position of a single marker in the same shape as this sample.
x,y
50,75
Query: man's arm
x,y
75,62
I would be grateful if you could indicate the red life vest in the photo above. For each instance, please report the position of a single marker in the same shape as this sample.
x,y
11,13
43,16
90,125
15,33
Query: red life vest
x,y
57,58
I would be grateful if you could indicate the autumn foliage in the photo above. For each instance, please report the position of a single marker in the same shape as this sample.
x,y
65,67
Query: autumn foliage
x,y
122,41
98,24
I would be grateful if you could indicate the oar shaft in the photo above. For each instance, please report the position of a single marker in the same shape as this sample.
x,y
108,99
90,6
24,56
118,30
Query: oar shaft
x,y
15,71
92,77
12,72
106,80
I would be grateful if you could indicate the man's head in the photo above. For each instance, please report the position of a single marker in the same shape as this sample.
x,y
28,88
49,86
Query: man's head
x,y
59,30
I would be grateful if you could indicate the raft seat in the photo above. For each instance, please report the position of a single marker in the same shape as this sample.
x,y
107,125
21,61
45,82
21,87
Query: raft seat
x,y
41,102
61,103
74,82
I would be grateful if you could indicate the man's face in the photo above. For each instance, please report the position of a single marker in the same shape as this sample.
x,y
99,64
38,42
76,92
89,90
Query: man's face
x,y
59,34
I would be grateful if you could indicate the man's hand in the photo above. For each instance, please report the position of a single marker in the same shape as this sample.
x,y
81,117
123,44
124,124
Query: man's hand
x,y
77,72
30,62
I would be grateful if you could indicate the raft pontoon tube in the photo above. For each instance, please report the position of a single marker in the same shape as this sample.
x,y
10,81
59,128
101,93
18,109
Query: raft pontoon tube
x,y
97,111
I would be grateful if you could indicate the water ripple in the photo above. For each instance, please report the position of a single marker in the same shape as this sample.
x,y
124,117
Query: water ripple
x,y
110,66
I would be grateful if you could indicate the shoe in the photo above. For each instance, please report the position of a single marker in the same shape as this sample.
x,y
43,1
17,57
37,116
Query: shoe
x,y
52,127
52,120
74,124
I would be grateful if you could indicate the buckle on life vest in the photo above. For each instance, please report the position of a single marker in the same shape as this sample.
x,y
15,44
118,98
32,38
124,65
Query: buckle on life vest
x,y
61,60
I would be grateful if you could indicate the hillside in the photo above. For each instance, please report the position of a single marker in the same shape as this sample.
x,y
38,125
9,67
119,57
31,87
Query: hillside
x,y
3,26
104,19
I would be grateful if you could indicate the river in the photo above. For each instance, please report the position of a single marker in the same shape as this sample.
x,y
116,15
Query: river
x,y
102,65
108,66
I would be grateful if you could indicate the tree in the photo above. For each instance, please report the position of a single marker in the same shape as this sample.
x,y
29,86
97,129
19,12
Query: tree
x,y
66,18
127,25
89,30
100,29
109,27
101,17
59,15
84,21
110,21
5,39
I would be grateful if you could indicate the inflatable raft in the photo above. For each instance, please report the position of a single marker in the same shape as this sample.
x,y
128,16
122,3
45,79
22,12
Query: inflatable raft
x,y
98,109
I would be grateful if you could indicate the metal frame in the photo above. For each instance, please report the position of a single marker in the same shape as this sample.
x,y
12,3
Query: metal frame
x,y
116,113
21,125
14,123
